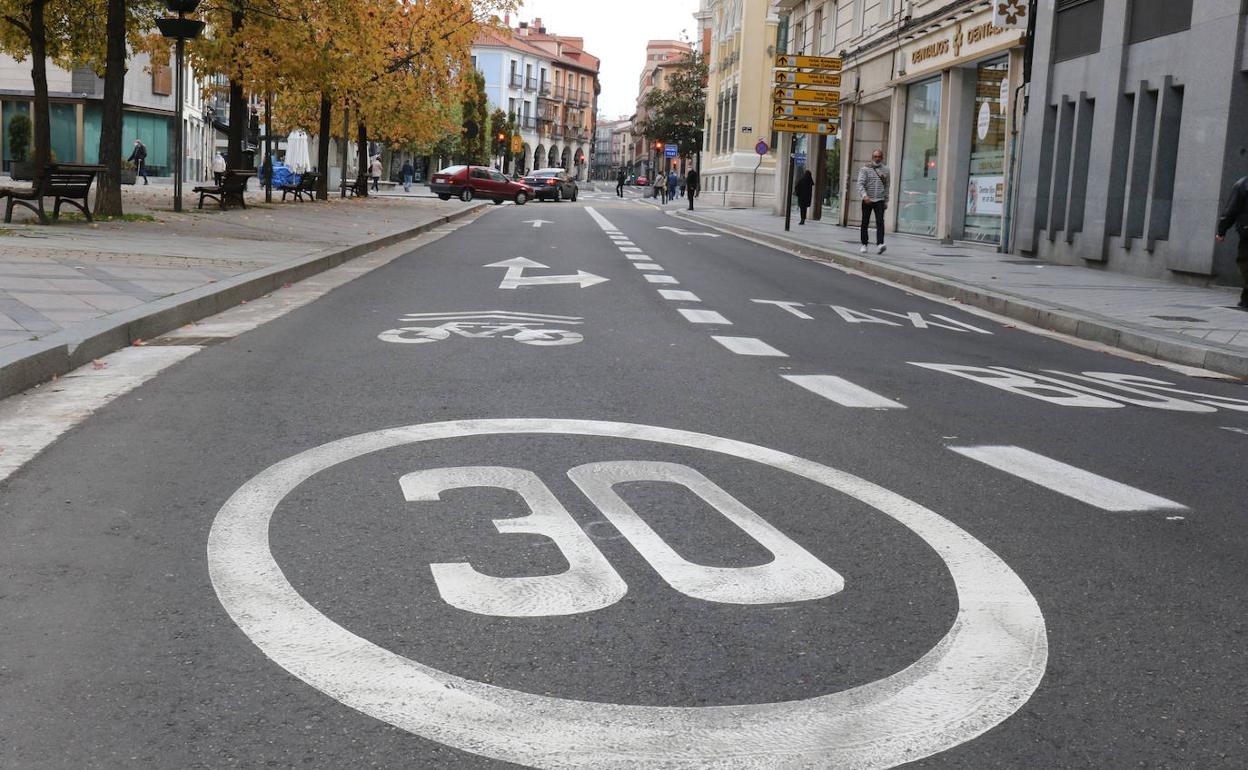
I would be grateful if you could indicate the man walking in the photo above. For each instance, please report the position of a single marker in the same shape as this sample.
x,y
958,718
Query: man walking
x,y
139,158
873,189
1235,214
619,183
692,182
408,172
673,182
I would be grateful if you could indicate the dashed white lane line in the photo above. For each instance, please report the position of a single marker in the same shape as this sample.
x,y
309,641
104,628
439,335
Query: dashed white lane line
x,y
695,316
638,257
602,221
1087,487
630,249
647,266
842,391
679,295
748,346
654,278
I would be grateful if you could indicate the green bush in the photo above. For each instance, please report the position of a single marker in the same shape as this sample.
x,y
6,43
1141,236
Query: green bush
x,y
19,136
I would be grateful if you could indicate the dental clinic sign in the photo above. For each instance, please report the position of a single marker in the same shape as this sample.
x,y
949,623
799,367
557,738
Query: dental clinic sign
x,y
958,43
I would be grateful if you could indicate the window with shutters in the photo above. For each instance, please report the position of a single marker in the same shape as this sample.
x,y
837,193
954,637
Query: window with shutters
x,y
1077,31
1155,18
162,80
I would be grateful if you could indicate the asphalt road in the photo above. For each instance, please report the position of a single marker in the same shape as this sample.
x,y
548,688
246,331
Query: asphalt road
x,y
284,550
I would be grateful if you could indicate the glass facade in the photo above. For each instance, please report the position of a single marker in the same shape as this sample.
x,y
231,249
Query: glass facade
x,y
985,197
64,128
916,206
11,108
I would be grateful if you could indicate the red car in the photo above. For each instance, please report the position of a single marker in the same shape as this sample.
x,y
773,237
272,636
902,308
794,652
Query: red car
x,y
468,182
642,181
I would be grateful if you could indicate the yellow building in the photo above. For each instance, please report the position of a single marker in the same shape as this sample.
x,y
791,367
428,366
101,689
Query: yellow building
x,y
738,39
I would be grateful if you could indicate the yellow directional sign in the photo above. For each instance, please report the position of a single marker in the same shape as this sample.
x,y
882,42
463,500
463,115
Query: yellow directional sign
x,y
809,62
806,95
808,78
802,111
517,144
803,126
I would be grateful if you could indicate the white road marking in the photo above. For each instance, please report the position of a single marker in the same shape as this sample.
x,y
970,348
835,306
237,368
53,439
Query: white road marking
x,y
679,295
749,346
1087,487
695,316
515,277
647,265
858,317
678,231
919,322
499,314
791,307
1024,385
984,669
1241,431
652,278
602,221
537,223
842,391
638,257
630,249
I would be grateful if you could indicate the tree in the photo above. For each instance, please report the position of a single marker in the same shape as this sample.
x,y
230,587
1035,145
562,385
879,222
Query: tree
x,y
474,143
677,113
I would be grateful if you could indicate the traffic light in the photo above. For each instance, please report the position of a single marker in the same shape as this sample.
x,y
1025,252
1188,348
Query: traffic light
x,y
658,145
501,138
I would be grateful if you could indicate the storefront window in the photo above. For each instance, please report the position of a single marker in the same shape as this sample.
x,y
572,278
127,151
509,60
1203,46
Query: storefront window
x,y
985,198
916,206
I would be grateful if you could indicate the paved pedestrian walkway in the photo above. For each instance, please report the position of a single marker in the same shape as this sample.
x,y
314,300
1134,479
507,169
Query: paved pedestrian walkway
x,y
54,277
1188,324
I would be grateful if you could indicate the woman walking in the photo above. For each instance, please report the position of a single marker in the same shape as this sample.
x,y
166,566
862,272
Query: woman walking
x,y
805,191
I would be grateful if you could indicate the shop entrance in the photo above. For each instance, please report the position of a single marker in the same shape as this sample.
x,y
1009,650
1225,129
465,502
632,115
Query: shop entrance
x,y
871,123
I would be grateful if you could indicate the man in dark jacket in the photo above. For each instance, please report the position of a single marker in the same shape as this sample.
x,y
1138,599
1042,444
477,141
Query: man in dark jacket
x,y
619,183
1235,214
139,158
693,183
804,188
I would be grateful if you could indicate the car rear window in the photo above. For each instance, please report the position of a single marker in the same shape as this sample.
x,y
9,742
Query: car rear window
x,y
452,170
541,174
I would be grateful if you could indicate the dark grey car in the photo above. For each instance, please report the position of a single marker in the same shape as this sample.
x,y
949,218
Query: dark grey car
x,y
554,184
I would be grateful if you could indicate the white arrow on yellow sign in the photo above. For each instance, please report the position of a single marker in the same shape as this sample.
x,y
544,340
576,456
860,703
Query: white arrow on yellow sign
x,y
808,78
806,95
803,126
802,111
809,62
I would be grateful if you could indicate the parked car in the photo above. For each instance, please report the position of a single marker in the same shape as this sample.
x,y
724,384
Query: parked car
x,y
642,181
552,184
468,182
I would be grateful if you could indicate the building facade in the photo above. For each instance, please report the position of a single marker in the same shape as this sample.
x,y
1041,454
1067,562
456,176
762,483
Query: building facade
x,y
515,75
661,56
567,104
1135,131
933,84
738,40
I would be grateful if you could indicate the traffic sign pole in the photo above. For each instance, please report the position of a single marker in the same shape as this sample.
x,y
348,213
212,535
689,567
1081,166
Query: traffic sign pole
x,y
819,116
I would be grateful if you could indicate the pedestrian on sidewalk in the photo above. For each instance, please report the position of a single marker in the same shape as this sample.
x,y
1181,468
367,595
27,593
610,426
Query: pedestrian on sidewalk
x,y
619,183
805,190
218,168
1235,214
660,188
873,189
684,179
374,170
139,158
408,172
673,182
692,184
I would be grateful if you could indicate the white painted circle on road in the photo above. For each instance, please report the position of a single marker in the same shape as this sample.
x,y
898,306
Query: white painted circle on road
x,y
982,671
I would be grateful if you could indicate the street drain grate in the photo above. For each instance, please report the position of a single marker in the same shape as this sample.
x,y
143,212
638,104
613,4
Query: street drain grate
x,y
1180,318
186,341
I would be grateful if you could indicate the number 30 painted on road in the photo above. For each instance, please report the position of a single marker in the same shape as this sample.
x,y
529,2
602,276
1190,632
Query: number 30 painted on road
x,y
590,583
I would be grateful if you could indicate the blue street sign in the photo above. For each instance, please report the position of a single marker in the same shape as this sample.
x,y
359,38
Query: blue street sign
x,y
799,158
669,151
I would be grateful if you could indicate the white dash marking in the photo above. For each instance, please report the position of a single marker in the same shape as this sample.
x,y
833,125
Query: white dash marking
x,y
655,278
602,221
679,295
638,257
695,316
630,249
647,266
748,346
1087,487
842,391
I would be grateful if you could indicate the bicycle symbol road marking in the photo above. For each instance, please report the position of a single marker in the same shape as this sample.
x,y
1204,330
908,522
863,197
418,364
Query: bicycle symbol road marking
x,y
525,328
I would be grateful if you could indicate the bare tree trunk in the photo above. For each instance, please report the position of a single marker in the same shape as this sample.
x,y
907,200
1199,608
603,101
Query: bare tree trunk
x,y
238,110
108,185
361,156
39,74
322,150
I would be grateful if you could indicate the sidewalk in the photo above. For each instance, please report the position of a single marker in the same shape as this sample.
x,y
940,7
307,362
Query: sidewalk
x,y
1184,324
73,291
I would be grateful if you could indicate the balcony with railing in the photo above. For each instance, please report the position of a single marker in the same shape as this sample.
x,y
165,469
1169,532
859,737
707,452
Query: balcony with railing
x,y
544,88
530,84
560,93
556,130
517,80
582,99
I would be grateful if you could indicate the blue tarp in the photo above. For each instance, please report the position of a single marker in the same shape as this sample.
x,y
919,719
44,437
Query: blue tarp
x,y
281,175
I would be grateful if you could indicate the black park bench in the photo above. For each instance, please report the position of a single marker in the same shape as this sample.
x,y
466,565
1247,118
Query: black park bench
x,y
305,186
231,188
63,183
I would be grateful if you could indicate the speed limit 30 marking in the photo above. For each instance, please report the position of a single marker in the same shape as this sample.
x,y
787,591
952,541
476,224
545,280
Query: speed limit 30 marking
x,y
983,670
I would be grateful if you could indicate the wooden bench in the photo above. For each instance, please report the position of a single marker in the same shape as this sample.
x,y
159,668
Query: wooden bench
x,y
233,185
305,186
63,183
351,187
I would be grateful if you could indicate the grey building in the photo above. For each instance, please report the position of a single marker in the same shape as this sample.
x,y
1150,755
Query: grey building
x,y
1137,126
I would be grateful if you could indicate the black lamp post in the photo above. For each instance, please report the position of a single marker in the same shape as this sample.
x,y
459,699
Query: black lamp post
x,y
180,29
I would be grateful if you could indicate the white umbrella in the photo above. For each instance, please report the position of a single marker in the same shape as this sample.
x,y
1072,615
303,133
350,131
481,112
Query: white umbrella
x,y
298,160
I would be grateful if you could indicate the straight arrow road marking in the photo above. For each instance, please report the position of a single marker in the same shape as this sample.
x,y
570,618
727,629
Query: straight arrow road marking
x,y
749,346
678,231
515,277
841,391
537,223
1084,486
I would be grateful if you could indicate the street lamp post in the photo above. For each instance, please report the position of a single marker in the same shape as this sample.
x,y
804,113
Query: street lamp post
x,y
180,29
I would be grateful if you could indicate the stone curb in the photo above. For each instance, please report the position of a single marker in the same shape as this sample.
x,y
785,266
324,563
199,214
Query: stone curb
x,y
1066,320
26,364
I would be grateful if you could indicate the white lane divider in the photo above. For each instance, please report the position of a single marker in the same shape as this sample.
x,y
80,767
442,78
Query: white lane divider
x,y
748,346
602,221
630,249
656,278
638,257
647,266
1087,487
842,391
694,316
677,295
